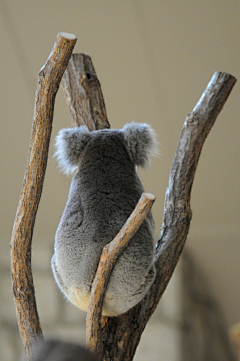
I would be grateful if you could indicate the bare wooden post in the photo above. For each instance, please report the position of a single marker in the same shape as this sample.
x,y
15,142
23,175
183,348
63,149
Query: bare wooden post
x,y
22,283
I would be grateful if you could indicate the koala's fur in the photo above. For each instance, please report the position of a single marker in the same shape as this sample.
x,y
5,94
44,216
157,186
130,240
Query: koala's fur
x,y
104,191
58,350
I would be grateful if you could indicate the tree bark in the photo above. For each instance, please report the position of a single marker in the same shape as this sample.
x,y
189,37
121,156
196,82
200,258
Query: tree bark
x,y
22,282
83,93
121,335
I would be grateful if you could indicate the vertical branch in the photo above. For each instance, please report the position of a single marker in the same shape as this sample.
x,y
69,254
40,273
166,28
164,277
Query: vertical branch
x,y
22,282
83,93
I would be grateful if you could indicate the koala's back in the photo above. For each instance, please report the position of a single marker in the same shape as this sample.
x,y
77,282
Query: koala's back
x,y
107,180
103,194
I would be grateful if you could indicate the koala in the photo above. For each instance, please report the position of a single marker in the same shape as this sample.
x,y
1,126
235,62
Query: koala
x,y
104,191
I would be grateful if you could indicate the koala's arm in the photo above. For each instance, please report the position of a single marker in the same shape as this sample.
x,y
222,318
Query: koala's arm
x,y
141,143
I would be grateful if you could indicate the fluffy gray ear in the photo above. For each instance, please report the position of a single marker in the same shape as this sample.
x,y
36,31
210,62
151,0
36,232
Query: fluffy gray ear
x,y
69,145
141,142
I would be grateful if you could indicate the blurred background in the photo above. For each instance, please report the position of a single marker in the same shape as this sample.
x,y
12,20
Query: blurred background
x,y
153,59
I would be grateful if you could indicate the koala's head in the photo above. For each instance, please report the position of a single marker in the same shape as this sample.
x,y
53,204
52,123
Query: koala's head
x,y
139,140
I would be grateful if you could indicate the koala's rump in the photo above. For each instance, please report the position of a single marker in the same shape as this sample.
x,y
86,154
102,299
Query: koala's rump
x,y
77,261
129,272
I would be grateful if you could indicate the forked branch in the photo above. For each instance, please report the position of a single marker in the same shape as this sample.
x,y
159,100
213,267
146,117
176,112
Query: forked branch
x,y
176,218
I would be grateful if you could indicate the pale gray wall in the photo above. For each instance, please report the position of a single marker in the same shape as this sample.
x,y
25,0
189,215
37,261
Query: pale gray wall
x,y
154,59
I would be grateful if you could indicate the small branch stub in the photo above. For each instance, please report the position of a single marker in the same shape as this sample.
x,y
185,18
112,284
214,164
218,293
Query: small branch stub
x,y
22,283
83,93
108,258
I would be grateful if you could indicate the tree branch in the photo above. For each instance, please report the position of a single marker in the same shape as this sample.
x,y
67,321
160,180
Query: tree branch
x,y
22,283
176,219
107,261
83,93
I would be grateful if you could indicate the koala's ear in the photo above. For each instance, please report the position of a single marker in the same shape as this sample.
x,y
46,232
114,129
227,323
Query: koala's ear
x,y
69,145
141,142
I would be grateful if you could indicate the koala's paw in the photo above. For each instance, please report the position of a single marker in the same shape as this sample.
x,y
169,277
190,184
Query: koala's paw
x,y
86,289
151,275
79,296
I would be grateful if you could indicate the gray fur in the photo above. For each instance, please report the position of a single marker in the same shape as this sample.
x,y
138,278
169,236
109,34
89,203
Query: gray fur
x,y
58,350
104,191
